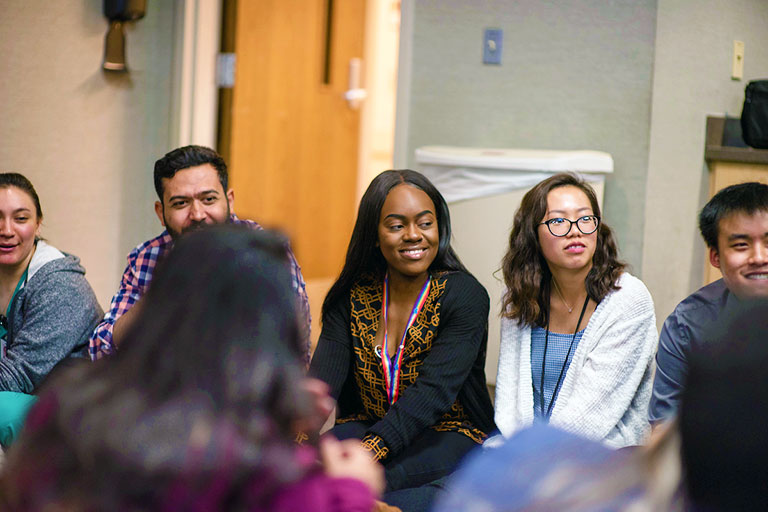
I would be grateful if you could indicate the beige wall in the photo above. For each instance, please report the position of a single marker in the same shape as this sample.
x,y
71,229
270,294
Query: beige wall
x,y
574,75
87,140
694,45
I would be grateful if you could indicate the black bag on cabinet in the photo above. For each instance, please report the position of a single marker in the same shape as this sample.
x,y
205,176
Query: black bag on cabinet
x,y
754,116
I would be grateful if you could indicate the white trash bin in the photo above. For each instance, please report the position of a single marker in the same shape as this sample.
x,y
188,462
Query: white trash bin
x,y
483,188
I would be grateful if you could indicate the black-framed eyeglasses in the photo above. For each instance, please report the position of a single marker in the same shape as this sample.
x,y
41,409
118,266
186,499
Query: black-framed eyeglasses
x,y
561,226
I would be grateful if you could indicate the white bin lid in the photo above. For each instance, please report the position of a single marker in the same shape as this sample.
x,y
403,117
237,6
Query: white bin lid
x,y
461,173
516,159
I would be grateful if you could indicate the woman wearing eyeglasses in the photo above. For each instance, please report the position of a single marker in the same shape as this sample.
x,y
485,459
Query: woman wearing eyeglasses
x,y
578,333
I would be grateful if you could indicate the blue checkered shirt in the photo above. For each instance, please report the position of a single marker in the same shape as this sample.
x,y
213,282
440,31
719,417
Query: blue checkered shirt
x,y
557,348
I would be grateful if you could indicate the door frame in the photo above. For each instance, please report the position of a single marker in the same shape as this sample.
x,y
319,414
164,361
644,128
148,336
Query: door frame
x,y
400,156
194,93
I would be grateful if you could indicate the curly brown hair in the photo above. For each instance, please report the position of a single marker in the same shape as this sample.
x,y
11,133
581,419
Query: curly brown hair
x,y
526,273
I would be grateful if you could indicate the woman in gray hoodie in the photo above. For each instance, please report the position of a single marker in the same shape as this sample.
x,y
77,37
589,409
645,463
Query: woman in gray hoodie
x,y
47,308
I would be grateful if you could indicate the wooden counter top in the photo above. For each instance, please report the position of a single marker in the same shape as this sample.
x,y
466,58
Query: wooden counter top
x,y
715,151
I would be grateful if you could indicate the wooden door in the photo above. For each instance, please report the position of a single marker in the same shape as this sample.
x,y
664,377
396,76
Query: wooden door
x,y
293,151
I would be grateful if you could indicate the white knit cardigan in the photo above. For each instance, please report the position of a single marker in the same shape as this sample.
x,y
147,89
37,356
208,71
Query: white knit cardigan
x,y
607,387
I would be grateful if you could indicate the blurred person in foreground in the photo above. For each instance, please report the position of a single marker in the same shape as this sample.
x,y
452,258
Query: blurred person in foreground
x,y
200,408
723,413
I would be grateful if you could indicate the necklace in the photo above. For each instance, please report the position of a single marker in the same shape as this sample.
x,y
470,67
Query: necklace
x,y
557,289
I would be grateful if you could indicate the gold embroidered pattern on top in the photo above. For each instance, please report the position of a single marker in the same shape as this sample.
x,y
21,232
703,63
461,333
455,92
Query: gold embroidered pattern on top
x,y
365,317
449,424
376,446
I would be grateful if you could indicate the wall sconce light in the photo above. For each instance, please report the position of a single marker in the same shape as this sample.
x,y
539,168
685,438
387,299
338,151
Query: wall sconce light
x,y
118,12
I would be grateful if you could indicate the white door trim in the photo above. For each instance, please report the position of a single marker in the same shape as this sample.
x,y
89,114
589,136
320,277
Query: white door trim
x,y
194,93
403,102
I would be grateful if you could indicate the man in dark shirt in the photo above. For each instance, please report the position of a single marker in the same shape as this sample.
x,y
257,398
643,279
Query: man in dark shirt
x,y
734,224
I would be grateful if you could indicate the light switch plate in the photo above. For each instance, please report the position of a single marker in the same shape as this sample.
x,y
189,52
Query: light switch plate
x,y
492,42
737,71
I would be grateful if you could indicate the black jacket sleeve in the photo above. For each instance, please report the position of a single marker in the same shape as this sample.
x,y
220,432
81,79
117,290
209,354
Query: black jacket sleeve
x,y
332,360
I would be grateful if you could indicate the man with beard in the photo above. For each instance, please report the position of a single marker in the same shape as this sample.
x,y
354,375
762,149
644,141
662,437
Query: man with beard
x,y
191,183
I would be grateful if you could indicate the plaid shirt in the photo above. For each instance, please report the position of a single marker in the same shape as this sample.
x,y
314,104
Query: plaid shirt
x,y
138,274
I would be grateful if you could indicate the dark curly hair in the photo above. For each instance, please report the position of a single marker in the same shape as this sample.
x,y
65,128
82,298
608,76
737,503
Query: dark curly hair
x,y
526,273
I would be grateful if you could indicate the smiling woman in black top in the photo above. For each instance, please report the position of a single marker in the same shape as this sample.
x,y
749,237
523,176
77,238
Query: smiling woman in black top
x,y
404,336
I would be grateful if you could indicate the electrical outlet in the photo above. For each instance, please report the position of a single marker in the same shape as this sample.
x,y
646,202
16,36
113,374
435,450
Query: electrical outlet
x,y
737,71
492,41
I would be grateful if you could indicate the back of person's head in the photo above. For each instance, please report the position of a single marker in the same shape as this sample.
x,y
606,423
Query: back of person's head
x,y
220,292
723,413
204,391
363,254
184,158
747,198
14,179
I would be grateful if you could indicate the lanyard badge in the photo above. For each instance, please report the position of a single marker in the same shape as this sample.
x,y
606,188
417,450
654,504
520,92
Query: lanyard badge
x,y
392,368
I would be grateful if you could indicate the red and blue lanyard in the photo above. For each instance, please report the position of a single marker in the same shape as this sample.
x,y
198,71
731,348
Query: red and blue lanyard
x,y
392,368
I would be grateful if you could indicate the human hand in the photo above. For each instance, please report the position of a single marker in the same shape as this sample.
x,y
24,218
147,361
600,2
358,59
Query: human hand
x,y
348,459
321,405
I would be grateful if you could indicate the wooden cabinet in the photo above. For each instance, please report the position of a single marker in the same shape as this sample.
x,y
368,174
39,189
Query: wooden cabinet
x,y
729,165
